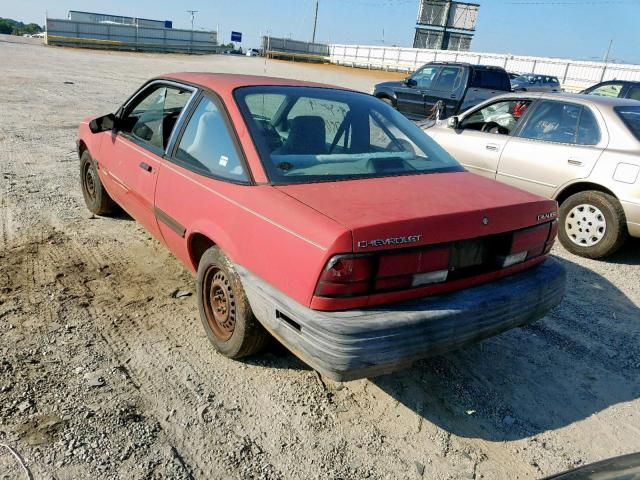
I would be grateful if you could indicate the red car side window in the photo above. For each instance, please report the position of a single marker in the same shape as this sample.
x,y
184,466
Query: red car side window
x,y
207,147
154,114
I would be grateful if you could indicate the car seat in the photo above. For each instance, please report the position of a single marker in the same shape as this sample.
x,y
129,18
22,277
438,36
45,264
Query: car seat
x,y
307,136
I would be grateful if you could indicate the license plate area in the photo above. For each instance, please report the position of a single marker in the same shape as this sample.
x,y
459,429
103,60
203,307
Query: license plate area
x,y
469,253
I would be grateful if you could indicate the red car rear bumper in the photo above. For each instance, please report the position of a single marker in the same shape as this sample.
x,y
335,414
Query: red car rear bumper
x,y
360,343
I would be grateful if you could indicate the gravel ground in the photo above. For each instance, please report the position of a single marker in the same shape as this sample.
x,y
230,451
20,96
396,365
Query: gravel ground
x,y
103,374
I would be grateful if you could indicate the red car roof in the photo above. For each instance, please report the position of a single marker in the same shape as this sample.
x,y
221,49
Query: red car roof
x,y
228,81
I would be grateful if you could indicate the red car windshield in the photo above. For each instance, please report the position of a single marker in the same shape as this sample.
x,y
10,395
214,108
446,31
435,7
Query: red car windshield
x,y
307,134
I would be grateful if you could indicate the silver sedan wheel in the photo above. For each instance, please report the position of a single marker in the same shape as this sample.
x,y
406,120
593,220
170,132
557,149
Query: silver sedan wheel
x,y
585,225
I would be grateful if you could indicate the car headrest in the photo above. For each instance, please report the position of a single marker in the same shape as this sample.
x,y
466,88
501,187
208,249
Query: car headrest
x,y
307,135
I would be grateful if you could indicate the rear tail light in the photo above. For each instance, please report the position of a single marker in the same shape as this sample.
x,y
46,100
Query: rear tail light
x,y
552,237
345,276
357,274
413,268
531,240
528,243
353,275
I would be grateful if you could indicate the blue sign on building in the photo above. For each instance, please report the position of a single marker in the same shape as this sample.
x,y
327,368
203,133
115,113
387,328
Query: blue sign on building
x,y
236,36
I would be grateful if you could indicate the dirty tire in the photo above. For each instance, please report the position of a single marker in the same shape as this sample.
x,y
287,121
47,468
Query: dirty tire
x,y
615,223
224,308
95,196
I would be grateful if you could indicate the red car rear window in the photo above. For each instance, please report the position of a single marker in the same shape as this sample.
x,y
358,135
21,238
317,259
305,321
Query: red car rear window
x,y
307,134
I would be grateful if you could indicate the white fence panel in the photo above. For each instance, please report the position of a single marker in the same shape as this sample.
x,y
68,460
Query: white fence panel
x,y
469,57
622,73
551,68
493,60
425,56
445,56
523,65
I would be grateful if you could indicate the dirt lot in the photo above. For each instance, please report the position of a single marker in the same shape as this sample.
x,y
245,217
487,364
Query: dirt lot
x,y
103,374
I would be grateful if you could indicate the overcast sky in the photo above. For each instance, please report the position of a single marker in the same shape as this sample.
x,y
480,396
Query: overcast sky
x,y
561,28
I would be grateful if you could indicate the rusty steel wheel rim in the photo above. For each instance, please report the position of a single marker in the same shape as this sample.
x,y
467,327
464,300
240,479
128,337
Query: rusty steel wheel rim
x,y
219,303
89,181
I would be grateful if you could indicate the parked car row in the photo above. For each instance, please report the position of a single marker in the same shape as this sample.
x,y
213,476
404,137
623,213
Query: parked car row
x,y
250,52
443,89
581,150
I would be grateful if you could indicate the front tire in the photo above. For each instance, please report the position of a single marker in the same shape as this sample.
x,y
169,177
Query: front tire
x,y
592,224
224,308
95,196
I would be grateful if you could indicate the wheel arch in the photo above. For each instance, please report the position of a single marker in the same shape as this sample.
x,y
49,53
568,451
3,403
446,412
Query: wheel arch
x,y
577,187
381,95
200,238
197,244
82,147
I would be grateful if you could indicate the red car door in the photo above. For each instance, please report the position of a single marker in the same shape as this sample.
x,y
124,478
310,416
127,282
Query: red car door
x,y
206,160
131,154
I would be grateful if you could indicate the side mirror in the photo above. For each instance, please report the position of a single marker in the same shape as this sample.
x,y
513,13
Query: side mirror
x,y
453,122
103,124
409,82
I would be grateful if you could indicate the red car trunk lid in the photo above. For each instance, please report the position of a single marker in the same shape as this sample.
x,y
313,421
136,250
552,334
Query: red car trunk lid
x,y
407,211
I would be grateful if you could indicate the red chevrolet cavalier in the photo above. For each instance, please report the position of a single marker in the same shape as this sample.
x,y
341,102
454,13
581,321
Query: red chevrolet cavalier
x,y
323,217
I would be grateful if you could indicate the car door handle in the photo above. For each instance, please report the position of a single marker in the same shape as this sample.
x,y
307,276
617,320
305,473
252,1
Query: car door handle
x,y
494,147
575,162
146,167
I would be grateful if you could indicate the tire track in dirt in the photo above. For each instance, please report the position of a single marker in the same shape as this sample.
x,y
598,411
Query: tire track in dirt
x,y
130,338
146,350
50,283
4,220
151,351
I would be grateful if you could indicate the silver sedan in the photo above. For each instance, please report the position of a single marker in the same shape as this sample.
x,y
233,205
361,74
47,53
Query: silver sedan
x,y
580,150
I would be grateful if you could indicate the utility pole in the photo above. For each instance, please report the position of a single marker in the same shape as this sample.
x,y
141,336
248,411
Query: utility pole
x,y
447,14
606,55
315,24
606,60
193,14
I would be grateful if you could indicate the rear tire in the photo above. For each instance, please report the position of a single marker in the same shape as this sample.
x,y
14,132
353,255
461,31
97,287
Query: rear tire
x,y
224,308
592,224
95,196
